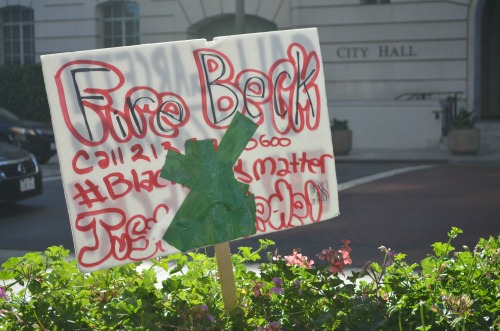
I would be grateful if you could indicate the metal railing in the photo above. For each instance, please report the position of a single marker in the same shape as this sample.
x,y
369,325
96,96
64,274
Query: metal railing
x,y
451,102
429,95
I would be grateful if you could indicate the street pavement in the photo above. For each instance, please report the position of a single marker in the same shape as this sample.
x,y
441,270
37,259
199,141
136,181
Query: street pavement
x,y
406,211
405,207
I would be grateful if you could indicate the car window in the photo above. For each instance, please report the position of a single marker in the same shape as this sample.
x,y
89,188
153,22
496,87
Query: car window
x,y
6,115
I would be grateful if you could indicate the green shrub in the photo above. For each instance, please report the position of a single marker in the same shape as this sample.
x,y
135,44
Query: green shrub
x,y
463,120
448,291
339,125
23,92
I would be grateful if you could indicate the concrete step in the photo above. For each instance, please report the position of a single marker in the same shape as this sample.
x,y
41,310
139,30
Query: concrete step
x,y
490,133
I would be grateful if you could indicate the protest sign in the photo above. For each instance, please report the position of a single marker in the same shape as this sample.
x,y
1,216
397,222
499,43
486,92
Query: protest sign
x,y
119,113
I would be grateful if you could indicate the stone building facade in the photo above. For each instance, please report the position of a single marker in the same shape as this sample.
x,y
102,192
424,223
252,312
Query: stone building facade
x,y
391,66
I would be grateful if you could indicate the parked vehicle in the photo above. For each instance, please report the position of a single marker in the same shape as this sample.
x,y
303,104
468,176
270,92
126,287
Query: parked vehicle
x,y
35,137
20,174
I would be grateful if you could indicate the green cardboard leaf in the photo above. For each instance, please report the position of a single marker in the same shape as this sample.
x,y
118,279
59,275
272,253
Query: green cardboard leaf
x,y
217,208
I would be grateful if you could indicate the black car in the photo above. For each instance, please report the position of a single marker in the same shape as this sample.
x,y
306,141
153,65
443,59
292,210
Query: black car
x,y
20,174
37,138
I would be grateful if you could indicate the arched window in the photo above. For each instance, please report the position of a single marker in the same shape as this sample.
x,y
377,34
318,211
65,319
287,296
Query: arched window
x,y
18,35
223,25
120,21
374,2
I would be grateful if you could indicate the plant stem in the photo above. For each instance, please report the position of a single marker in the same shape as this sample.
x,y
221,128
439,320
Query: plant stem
x,y
422,315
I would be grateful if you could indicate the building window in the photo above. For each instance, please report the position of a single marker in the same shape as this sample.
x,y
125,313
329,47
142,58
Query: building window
x,y
374,2
18,35
121,23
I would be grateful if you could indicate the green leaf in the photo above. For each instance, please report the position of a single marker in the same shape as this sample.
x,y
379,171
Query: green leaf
x,y
172,284
264,243
12,263
441,249
375,267
322,319
7,274
162,263
35,287
465,257
428,266
248,254
454,232
399,257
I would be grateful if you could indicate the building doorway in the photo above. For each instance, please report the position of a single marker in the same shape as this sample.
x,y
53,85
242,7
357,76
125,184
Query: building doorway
x,y
224,25
490,61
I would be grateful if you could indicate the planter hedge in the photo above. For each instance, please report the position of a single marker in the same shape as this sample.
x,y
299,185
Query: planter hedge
x,y
22,91
449,290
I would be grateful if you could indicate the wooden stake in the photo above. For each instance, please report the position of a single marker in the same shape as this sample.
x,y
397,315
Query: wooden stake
x,y
225,266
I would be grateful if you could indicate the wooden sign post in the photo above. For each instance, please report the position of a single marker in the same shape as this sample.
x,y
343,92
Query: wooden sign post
x,y
225,266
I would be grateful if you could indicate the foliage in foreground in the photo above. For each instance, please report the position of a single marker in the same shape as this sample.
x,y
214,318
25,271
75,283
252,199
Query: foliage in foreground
x,y
449,290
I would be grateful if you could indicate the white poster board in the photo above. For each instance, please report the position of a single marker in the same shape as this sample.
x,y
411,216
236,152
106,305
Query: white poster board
x,y
116,113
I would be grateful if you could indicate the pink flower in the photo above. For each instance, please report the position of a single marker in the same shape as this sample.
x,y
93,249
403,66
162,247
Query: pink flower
x,y
256,289
298,260
346,257
278,289
338,259
271,326
201,312
390,257
297,283
277,281
3,294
